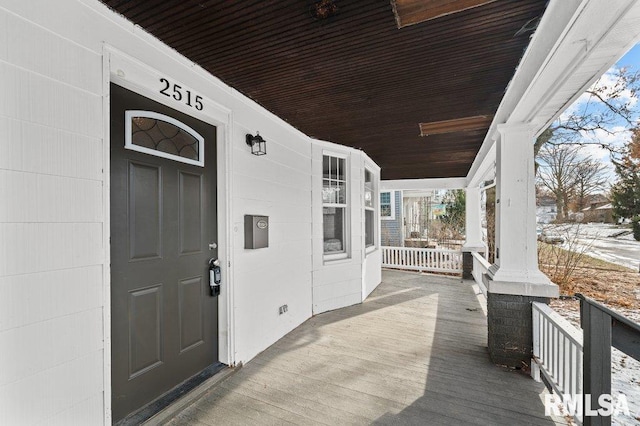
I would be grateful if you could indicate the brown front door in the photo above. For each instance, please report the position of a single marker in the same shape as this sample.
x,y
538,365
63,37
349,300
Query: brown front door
x,y
164,322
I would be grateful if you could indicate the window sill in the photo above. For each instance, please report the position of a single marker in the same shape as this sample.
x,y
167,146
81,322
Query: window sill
x,y
369,250
331,260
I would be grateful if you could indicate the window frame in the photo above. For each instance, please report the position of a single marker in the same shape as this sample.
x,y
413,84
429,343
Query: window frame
x,y
372,208
128,135
346,246
392,205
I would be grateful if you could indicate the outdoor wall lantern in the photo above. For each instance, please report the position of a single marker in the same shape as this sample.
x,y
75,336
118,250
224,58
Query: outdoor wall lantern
x,y
257,144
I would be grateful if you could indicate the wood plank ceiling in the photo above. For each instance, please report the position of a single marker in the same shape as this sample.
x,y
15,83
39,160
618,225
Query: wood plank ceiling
x,y
343,71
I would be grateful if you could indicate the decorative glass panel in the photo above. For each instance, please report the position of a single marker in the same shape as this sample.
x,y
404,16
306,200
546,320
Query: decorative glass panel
x,y
163,136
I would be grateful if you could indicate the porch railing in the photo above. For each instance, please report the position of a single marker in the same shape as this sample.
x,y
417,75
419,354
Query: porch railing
x,y
422,259
480,267
557,353
576,363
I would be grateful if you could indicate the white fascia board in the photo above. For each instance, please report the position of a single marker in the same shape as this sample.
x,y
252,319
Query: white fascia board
x,y
423,184
487,169
552,25
600,33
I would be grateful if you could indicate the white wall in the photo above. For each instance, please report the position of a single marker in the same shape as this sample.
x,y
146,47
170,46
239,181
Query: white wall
x,y
56,59
277,185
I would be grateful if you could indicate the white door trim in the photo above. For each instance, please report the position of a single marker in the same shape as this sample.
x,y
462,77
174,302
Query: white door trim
x,y
126,71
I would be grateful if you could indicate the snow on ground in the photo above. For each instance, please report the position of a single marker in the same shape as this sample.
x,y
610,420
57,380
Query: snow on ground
x,y
597,239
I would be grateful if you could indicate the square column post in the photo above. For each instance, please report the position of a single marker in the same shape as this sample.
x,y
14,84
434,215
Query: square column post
x,y
473,230
514,280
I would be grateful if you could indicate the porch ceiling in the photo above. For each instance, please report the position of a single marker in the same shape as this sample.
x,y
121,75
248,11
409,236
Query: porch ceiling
x,y
354,78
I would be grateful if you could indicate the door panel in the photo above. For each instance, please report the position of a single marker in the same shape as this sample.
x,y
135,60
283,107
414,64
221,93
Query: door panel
x,y
145,330
163,217
145,218
191,315
190,213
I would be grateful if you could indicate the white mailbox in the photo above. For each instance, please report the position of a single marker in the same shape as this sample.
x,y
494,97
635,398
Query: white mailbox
x,y
256,231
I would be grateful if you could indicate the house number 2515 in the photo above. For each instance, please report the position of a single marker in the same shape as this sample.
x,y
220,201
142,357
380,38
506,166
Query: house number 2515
x,y
180,94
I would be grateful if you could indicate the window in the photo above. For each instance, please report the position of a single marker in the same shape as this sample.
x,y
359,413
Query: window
x,y
387,208
334,206
369,210
163,136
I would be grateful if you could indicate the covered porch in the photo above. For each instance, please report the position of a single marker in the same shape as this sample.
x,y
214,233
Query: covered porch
x,y
414,351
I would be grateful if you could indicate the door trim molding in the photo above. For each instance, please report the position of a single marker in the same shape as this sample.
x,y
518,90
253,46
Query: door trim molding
x,y
128,72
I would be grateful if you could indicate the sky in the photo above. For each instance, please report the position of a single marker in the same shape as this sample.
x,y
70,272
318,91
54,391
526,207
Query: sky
x,y
632,61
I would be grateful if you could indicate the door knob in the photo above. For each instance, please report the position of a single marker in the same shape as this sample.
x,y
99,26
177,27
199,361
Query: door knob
x,y
213,246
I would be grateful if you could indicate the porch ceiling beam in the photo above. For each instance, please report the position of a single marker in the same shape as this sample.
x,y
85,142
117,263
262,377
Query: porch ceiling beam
x,y
478,122
423,184
409,12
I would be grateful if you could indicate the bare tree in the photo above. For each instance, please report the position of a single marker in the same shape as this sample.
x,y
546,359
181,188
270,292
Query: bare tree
x,y
590,177
569,176
557,173
611,107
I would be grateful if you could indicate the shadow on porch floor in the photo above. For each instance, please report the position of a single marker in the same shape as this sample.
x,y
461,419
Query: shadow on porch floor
x,y
413,354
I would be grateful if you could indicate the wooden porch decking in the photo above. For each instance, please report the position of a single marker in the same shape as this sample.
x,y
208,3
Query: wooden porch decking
x,y
413,354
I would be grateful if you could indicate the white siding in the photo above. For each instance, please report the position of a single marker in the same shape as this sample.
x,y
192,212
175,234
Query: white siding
x,y
54,224
51,245
277,185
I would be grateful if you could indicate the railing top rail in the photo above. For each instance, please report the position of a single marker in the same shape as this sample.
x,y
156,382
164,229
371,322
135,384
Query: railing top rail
x,y
571,332
625,334
484,262
423,249
613,314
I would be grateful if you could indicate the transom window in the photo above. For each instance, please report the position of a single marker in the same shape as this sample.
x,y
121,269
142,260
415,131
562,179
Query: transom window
x,y
163,136
334,206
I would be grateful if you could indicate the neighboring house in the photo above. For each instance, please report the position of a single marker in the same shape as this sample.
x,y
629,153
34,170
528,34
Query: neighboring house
x,y
546,210
406,216
598,212
391,220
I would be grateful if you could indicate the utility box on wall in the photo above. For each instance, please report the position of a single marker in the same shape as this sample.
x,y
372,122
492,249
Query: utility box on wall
x,y
256,231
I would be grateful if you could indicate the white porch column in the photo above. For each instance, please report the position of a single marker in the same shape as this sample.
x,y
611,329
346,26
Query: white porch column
x,y
473,225
516,265
514,280
473,231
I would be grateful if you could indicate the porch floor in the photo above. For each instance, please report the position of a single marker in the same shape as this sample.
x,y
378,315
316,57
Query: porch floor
x,y
414,353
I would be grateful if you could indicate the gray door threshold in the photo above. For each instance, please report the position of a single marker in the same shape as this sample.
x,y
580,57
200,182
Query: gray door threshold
x,y
184,401
173,402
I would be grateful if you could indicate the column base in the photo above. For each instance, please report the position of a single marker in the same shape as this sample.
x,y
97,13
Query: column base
x,y
519,282
510,328
467,263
